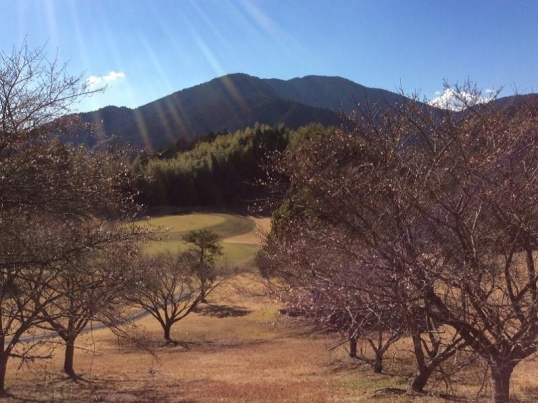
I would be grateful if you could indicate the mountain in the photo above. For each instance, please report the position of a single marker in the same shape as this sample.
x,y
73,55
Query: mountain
x,y
333,93
231,103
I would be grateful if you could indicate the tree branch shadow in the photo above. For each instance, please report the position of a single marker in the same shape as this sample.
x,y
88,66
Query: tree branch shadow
x,y
222,311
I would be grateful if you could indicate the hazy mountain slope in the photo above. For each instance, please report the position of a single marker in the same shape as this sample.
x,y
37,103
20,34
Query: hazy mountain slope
x,y
334,93
231,103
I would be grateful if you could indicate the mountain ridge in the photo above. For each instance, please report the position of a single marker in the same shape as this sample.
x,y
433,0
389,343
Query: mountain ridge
x,y
230,103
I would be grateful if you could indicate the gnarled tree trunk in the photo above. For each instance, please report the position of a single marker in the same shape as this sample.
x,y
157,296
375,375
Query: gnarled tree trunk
x,y
69,356
4,356
423,371
352,346
378,363
167,327
500,381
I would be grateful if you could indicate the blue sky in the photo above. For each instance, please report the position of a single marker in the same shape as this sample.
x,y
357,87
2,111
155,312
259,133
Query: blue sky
x,y
147,49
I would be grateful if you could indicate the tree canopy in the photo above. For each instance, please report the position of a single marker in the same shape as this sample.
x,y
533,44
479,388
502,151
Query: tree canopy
x,y
58,209
430,215
218,170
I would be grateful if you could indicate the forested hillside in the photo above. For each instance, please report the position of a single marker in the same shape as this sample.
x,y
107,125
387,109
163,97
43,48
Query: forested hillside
x,y
230,168
217,170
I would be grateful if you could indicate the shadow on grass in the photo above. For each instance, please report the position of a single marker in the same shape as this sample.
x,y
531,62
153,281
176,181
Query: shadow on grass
x,y
57,388
222,311
138,394
63,389
396,391
386,384
186,345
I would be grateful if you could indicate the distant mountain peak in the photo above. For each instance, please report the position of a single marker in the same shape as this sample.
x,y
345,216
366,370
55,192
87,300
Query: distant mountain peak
x,y
232,102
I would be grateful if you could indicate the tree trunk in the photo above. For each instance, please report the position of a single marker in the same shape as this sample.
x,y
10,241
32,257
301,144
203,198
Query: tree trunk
x,y
353,347
203,299
500,382
4,356
69,357
378,363
421,379
167,329
423,371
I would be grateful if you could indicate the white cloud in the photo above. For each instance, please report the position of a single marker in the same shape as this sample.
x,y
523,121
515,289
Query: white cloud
x,y
459,100
111,76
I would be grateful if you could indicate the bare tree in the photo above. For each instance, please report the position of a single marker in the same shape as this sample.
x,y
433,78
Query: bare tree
x,y
91,285
482,183
322,285
438,210
171,285
49,191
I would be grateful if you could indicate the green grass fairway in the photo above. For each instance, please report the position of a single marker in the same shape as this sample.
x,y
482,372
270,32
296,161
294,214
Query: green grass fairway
x,y
239,254
172,227
177,224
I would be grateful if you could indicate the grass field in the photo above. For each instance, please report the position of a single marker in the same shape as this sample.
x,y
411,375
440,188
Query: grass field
x,y
238,234
236,348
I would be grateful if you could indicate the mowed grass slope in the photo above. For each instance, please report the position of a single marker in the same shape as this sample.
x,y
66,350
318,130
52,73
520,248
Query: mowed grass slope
x,y
236,348
236,251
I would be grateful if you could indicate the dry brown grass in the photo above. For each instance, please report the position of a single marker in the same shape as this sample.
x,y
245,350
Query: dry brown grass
x,y
234,349
238,348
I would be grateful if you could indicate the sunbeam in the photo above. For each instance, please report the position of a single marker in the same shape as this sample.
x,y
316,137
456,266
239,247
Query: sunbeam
x,y
51,21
